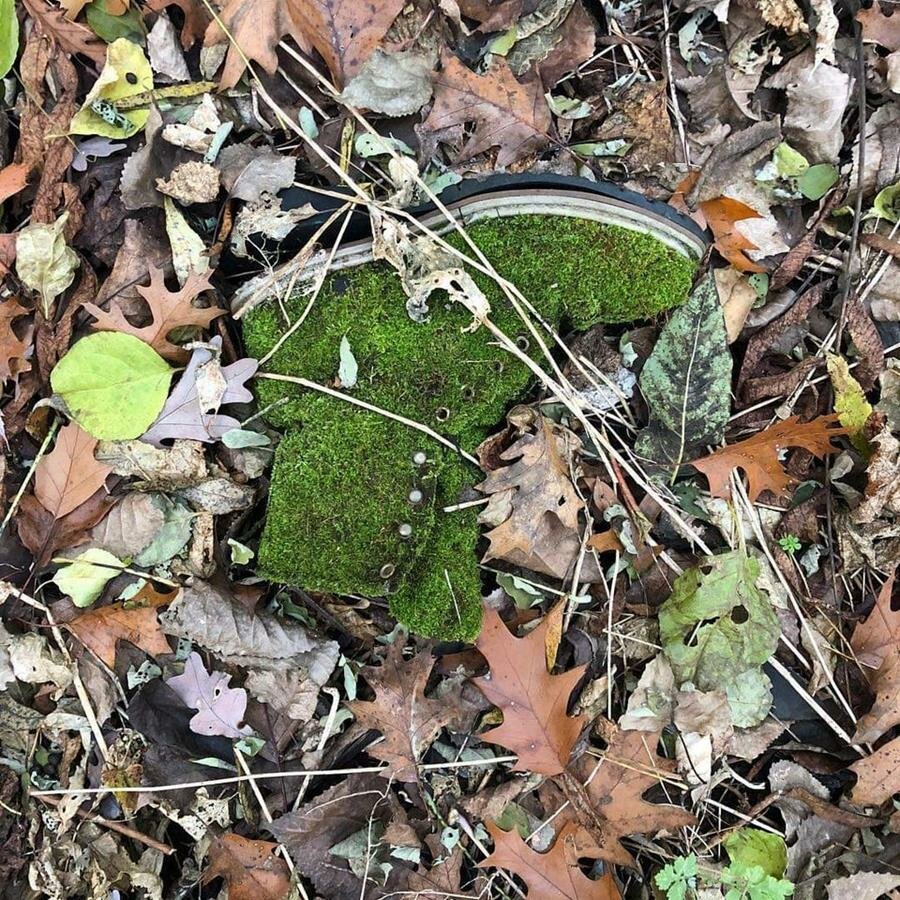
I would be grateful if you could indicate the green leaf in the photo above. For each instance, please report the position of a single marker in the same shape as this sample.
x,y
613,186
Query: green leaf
x,y
113,385
88,573
789,163
886,203
677,877
44,261
817,181
125,74
718,628
849,400
110,28
753,847
241,554
753,883
173,534
9,35
687,381
348,370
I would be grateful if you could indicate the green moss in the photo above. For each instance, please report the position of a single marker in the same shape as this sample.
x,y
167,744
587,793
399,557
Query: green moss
x,y
342,476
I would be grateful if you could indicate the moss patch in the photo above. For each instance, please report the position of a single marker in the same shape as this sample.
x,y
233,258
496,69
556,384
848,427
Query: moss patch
x,y
342,479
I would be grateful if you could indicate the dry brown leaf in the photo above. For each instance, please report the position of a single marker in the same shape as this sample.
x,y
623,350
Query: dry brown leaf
x,y
71,37
553,875
612,806
408,719
345,34
12,348
533,702
878,775
877,28
867,341
250,868
757,456
533,504
169,310
509,114
876,643
196,18
101,629
69,475
13,179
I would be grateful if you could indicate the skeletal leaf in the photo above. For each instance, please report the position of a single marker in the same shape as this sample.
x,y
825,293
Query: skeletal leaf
x,y
687,381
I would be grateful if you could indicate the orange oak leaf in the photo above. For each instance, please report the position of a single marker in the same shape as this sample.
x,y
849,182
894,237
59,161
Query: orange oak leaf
x,y
13,179
101,629
69,475
345,33
510,114
553,875
876,643
12,347
408,719
758,455
533,702
250,868
169,309
607,796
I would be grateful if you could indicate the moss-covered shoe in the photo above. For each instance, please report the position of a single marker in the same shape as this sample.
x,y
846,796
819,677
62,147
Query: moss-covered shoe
x,y
357,500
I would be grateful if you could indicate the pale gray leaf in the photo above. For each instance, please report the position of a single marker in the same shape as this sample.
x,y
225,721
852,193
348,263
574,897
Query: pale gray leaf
x,y
394,84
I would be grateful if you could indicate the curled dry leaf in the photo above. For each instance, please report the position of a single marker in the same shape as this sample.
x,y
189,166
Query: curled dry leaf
x,y
408,719
533,702
250,868
510,114
757,456
554,875
68,475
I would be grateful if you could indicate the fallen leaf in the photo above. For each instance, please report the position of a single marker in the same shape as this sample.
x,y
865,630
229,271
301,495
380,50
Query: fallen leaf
x,y
717,629
13,178
652,701
533,504
878,775
101,629
183,415
878,28
549,876
188,250
863,885
165,55
196,18
220,709
509,114
393,84
113,384
191,182
737,296
84,577
408,719
722,216
168,309
250,868
69,474
9,36
757,456
533,702
157,468
44,261
12,347
850,404
248,172
612,801
71,37
687,381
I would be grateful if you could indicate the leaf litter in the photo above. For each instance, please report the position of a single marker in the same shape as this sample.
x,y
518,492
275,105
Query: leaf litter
x,y
685,684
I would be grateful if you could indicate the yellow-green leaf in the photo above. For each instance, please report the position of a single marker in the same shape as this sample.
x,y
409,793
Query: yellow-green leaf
x,y
44,261
849,401
84,578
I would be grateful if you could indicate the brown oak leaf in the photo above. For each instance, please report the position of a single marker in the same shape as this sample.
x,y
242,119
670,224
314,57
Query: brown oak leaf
x,y
71,37
12,347
877,28
876,643
169,310
533,505
553,875
533,702
408,719
758,455
101,629
69,474
509,114
611,804
250,868
878,775
345,33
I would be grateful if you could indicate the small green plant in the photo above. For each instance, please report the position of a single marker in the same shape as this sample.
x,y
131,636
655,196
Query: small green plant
x,y
682,880
790,543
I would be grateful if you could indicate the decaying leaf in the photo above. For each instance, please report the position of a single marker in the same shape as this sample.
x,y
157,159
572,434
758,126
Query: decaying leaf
x,y
533,702
718,628
686,381
101,629
550,876
394,84
44,261
250,868
12,347
533,504
220,709
168,309
757,456
878,775
510,114
69,474
408,719
863,885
